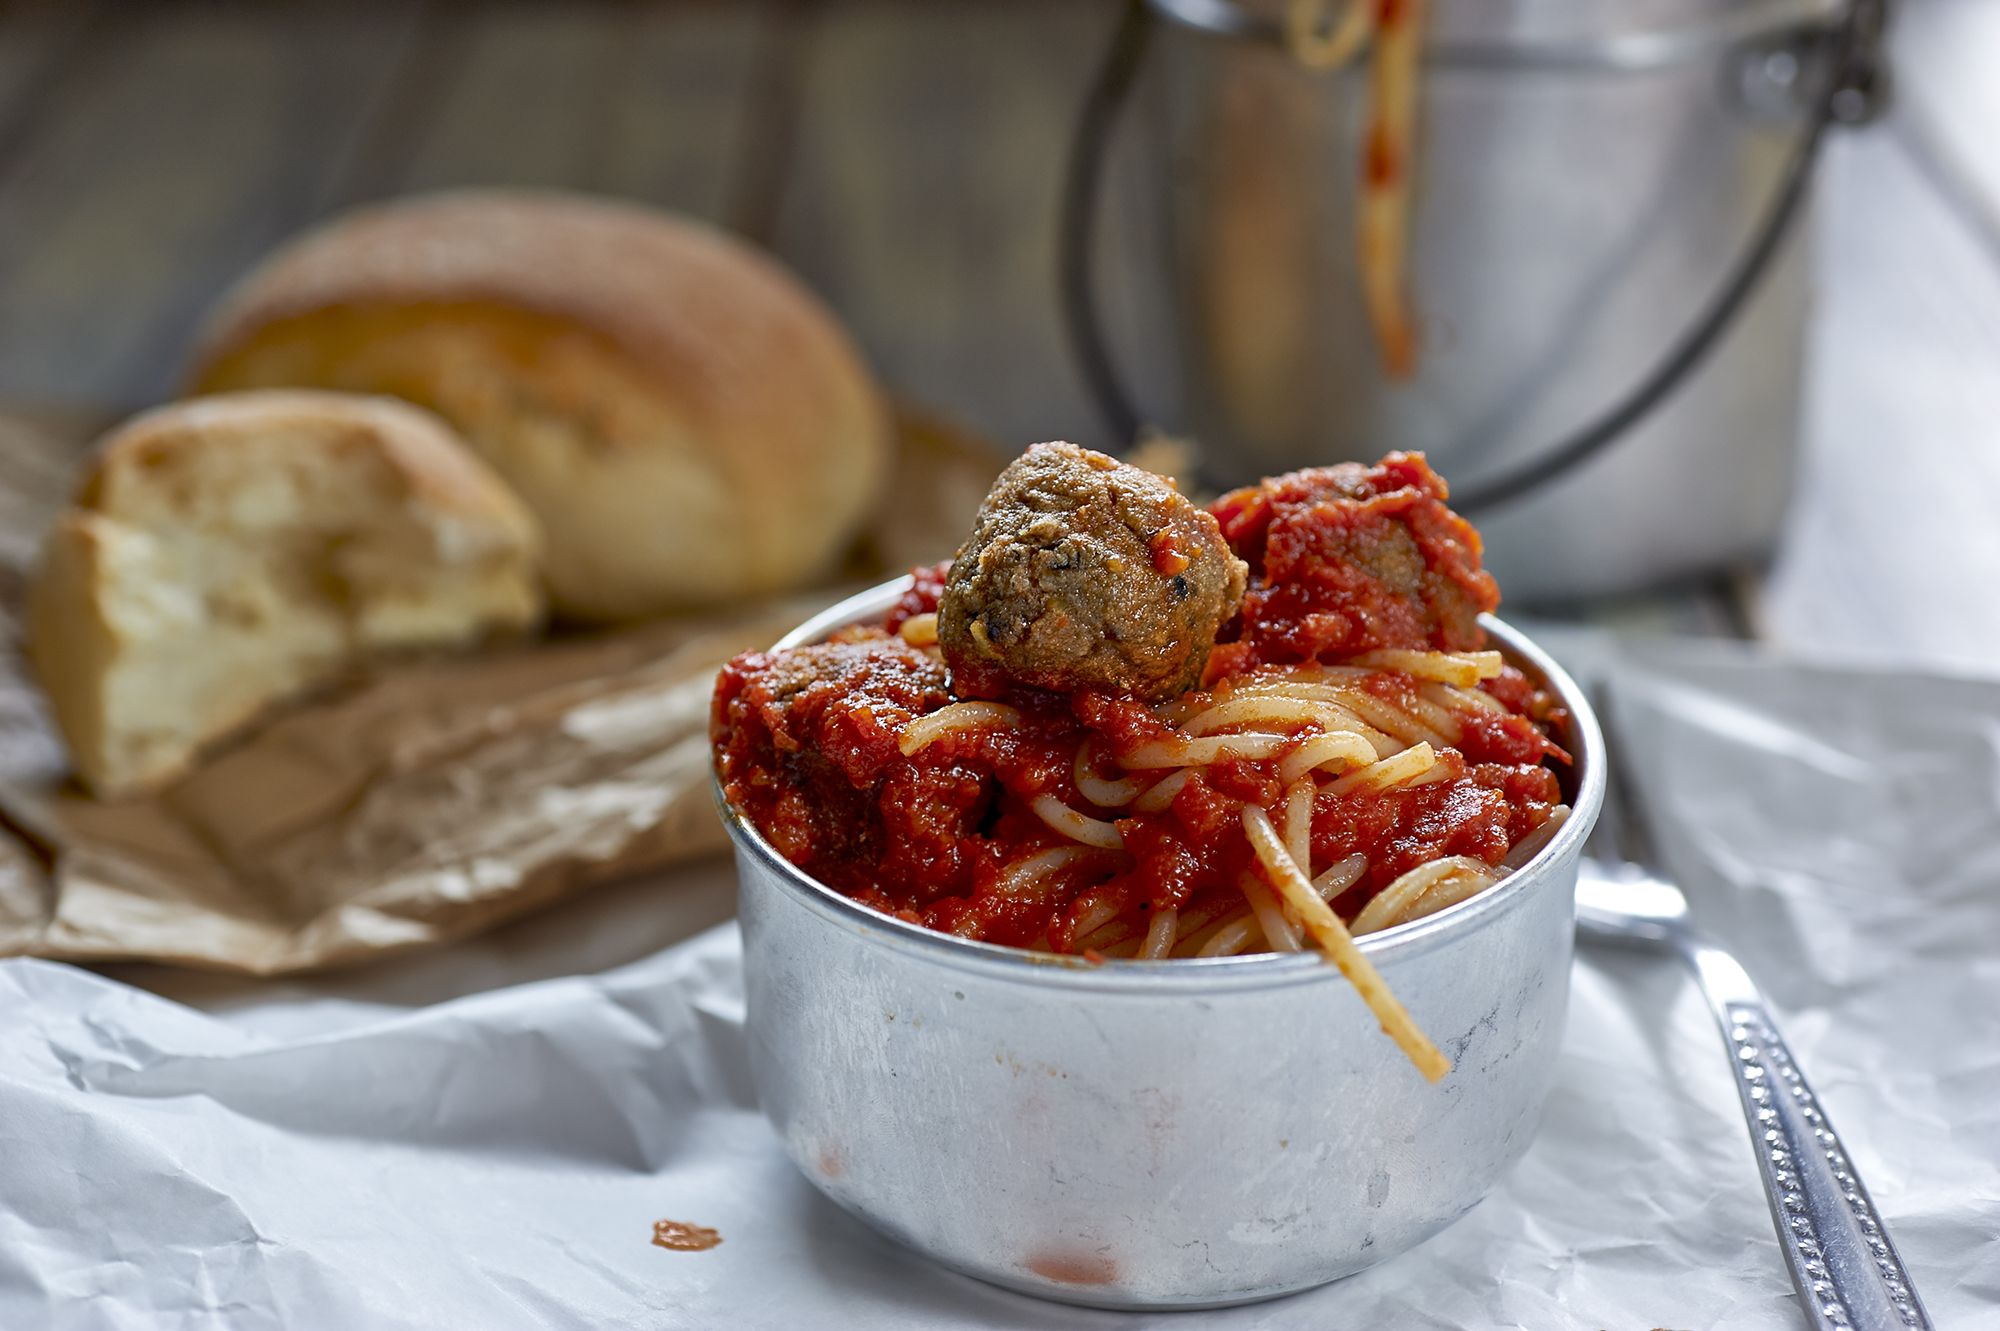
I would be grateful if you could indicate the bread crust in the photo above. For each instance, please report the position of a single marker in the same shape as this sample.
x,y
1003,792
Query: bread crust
x,y
423,454
69,638
688,422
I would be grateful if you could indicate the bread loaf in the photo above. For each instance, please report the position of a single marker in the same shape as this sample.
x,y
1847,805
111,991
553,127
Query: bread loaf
x,y
687,422
224,554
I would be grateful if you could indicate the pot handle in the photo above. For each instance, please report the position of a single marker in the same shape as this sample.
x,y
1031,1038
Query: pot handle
x,y
1854,86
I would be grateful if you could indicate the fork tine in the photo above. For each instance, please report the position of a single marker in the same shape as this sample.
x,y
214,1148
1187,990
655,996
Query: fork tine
x,y
1622,832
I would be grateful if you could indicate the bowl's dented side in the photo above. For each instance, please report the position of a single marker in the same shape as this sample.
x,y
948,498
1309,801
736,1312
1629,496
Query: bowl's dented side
x,y
1154,1135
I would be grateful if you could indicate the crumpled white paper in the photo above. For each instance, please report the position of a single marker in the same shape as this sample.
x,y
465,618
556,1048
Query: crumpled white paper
x,y
351,1153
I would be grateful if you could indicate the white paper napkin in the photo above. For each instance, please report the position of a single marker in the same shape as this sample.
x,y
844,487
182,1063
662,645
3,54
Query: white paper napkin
x,y
344,1153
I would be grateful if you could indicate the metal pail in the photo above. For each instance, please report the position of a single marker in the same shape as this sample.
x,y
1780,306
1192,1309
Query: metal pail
x,y
1607,264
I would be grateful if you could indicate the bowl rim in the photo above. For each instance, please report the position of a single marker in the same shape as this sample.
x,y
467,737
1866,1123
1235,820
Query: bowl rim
x,y
1187,974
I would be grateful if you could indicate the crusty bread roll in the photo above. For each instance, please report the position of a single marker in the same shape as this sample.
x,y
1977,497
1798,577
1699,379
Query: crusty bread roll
x,y
227,553
688,423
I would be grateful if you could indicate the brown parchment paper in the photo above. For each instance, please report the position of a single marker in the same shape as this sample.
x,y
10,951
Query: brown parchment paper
x,y
422,802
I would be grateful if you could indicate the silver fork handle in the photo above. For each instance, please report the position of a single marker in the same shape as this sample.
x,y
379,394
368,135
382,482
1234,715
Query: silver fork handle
x,y
1845,1268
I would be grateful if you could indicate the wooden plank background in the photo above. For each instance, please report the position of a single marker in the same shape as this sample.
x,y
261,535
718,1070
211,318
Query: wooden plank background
x,y
905,157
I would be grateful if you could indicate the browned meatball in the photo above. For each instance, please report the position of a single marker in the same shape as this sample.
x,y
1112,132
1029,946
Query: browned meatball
x,y
1082,572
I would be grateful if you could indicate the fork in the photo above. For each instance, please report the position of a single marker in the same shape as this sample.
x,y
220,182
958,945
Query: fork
x,y
1847,1272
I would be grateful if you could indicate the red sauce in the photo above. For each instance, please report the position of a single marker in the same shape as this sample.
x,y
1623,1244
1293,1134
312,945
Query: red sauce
x,y
1379,166
926,586
1074,1267
1343,560
680,1236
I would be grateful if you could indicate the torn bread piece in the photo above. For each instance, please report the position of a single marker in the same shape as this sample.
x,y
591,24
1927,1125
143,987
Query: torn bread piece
x,y
225,554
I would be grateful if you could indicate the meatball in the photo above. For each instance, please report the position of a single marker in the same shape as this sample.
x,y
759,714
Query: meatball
x,y
1350,558
1084,573
837,702
805,745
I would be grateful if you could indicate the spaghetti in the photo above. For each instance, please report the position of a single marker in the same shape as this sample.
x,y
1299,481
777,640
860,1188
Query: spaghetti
x,y
1321,38
1307,795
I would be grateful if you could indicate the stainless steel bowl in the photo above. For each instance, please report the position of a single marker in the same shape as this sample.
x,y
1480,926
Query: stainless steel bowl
x,y
1144,1135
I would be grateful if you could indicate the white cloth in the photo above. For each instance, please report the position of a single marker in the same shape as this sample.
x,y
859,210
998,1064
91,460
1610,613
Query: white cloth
x,y
350,1152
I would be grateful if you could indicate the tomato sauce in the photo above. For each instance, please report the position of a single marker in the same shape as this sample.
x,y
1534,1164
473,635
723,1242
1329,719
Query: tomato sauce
x,y
680,1236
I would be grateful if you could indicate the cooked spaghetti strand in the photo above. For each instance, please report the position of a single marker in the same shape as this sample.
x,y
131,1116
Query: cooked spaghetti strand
x,y
1448,892
1531,845
1342,746
1026,872
1383,228
1337,877
1095,917
1279,933
1200,920
1160,933
927,730
1463,700
1388,717
1196,752
1298,824
1104,793
1159,795
1266,711
1231,939
1077,826
1394,770
1334,940
1401,901
1464,669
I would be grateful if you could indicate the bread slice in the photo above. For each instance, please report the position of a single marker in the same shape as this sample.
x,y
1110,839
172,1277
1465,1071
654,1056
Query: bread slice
x,y
225,554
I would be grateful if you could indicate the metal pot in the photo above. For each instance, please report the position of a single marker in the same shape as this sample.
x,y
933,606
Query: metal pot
x,y
1155,1134
1608,248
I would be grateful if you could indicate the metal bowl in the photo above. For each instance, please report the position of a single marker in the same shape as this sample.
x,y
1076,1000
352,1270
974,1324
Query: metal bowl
x,y
1156,1134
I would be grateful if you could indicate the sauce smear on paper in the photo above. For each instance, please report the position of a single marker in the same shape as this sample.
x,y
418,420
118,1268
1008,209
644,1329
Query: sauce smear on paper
x,y
680,1236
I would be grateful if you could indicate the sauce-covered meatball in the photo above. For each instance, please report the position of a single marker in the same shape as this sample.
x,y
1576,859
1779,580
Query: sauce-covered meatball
x,y
1349,559
1084,573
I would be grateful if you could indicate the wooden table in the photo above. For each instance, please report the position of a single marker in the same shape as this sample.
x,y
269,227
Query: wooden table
x,y
904,156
